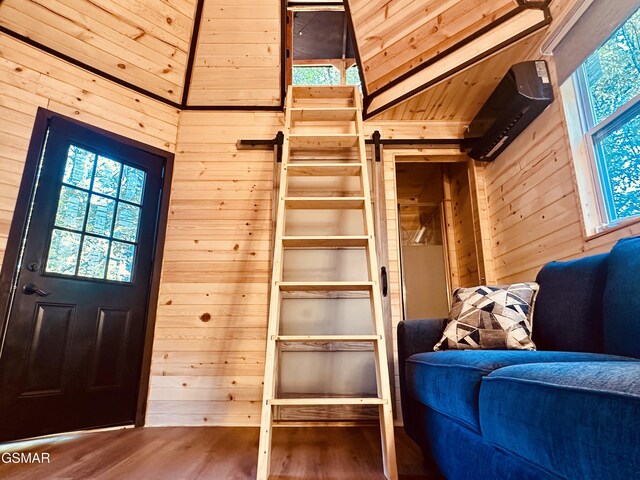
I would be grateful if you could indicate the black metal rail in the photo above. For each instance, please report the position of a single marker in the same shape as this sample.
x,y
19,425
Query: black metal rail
x,y
376,140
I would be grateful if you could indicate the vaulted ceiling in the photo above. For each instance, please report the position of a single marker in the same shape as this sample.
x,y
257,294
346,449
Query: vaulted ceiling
x,y
228,54
226,51
404,47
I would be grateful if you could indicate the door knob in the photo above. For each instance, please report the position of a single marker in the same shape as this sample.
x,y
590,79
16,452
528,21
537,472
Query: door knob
x,y
30,289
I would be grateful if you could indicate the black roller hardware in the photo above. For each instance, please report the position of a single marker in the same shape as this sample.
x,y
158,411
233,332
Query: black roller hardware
x,y
385,281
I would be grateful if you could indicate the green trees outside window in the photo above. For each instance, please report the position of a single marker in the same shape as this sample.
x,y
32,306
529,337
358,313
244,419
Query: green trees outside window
x,y
609,83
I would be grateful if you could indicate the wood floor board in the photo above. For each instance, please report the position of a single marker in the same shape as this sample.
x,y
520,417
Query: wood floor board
x,y
194,453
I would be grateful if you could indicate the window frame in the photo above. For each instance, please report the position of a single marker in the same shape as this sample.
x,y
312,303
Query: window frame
x,y
593,134
591,175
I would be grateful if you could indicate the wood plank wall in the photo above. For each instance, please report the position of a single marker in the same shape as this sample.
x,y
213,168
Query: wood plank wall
x,y
209,346
208,360
144,43
533,203
534,208
30,79
466,245
210,337
237,60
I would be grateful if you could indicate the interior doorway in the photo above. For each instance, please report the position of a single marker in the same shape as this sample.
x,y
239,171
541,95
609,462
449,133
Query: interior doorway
x,y
438,232
423,253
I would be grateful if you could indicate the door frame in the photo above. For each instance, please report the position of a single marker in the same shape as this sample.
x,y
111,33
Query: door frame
x,y
479,212
8,274
438,156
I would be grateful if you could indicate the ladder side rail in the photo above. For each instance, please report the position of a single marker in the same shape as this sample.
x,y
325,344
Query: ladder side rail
x,y
269,388
386,410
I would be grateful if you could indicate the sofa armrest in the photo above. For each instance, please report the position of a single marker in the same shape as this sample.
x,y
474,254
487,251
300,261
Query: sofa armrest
x,y
415,336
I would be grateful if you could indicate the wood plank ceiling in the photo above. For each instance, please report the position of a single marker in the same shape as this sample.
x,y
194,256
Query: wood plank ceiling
x,y
460,97
142,42
406,46
395,37
229,52
148,46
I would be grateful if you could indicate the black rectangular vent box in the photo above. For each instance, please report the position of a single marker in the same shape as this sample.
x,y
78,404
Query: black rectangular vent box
x,y
519,98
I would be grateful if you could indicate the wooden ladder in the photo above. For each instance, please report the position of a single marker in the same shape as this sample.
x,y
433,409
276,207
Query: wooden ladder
x,y
323,155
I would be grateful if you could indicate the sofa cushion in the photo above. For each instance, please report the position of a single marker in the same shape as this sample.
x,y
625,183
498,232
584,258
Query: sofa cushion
x,y
580,421
461,454
449,382
490,317
568,311
622,299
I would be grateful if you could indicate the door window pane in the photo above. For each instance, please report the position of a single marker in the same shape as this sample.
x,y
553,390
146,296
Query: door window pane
x,y
100,218
121,262
93,259
132,184
72,207
63,252
107,177
126,227
101,197
79,167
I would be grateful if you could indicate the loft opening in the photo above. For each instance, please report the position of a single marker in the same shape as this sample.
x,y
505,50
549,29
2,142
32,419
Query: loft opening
x,y
320,48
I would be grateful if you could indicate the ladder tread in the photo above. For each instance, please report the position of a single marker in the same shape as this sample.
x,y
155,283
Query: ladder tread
x,y
325,286
324,203
323,135
322,92
328,401
324,109
326,338
323,114
324,169
325,241
323,140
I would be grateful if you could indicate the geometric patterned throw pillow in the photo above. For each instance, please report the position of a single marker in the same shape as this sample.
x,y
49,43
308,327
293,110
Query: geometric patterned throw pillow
x,y
491,318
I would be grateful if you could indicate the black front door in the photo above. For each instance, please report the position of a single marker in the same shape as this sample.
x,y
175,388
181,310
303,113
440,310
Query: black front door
x,y
72,348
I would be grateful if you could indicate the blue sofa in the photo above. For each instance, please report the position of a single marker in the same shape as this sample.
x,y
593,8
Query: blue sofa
x,y
569,410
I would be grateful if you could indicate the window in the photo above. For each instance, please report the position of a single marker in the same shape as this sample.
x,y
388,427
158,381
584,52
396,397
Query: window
x,y
353,76
315,75
325,75
606,88
96,224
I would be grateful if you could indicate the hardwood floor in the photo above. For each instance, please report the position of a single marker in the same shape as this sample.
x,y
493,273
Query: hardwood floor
x,y
218,453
